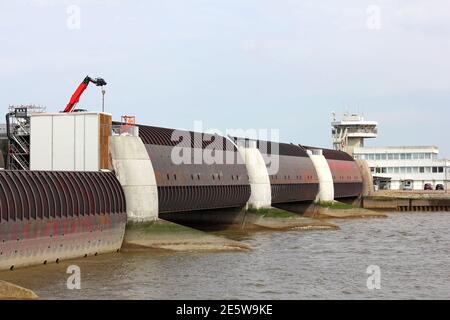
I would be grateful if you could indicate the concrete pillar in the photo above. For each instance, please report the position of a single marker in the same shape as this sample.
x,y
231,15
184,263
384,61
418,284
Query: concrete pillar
x,y
134,170
368,188
261,192
326,184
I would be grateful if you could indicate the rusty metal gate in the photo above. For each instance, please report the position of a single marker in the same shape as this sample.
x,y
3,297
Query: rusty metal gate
x,y
347,178
28,195
196,182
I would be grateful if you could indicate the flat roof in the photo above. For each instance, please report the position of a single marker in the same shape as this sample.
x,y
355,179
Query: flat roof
x,y
65,114
397,148
354,123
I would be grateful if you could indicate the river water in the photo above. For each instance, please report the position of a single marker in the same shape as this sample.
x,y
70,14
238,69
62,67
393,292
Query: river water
x,y
412,251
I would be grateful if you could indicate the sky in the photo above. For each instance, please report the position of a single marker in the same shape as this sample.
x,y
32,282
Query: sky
x,y
249,64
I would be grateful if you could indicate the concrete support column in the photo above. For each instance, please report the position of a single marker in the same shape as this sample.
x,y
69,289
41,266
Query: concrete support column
x,y
326,184
134,170
368,188
261,192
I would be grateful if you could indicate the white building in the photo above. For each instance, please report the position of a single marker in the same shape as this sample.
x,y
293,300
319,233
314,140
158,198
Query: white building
x,y
396,167
351,131
407,167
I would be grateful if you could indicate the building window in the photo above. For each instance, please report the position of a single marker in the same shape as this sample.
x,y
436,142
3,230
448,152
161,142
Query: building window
x,y
427,169
396,170
408,156
403,156
390,156
422,156
428,156
408,170
371,157
402,170
415,156
378,157
421,170
396,156
435,169
415,169
441,169
390,170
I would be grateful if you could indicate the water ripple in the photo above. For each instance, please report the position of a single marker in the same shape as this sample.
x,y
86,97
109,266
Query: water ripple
x,y
413,252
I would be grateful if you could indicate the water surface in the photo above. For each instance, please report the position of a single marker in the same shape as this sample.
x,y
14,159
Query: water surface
x,y
411,249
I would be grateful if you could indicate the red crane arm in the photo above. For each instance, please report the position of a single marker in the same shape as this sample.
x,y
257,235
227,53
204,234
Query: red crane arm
x,y
77,94
99,82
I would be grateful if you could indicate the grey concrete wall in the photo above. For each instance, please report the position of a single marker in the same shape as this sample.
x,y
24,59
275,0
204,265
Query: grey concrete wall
x,y
134,170
366,174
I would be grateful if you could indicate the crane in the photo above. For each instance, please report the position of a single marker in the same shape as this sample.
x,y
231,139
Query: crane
x,y
99,82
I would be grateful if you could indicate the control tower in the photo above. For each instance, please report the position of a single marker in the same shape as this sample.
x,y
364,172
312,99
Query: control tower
x,y
350,132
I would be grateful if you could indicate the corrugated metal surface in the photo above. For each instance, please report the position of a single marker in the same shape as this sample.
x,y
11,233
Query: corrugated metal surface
x,y
336,155
48,216
296,179
189,198
347,177
282,149
286,193
347,190
194,184
181,138
28,195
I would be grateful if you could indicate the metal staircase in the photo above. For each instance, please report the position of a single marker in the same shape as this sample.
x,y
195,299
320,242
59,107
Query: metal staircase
x,y
19,152
19,136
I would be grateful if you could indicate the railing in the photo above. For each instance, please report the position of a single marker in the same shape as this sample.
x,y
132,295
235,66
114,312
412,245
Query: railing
x,y
24,130
18,157
125,130
374,131
24,145
23,163
316,152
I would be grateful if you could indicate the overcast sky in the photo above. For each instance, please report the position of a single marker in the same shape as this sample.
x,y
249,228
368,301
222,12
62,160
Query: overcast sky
x,y
282,64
